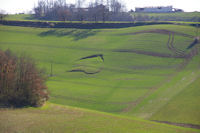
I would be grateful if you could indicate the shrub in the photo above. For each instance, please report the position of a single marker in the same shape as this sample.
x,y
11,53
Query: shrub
x,y
21,83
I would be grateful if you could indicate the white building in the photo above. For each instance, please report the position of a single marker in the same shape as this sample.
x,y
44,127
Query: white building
x,y
160,9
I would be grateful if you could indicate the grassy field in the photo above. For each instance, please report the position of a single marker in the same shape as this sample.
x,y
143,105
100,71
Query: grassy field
x,y
145,72
155,104
178,16
184,103
19,17
55,118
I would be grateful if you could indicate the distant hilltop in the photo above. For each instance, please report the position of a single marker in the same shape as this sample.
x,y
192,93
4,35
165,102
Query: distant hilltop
x,y
158,9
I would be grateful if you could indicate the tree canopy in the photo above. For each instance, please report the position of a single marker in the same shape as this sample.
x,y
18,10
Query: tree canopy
x,y
21,83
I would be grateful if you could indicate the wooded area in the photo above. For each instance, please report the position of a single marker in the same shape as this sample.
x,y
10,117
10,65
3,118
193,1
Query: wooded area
x,y
99,10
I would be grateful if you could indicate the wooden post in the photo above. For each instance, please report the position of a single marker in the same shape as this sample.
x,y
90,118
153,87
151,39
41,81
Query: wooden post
x,y
51,74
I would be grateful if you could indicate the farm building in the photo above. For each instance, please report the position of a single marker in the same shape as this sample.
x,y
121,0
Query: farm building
x,y
160,9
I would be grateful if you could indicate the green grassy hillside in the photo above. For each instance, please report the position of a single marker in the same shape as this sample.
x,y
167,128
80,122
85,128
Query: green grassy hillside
x,y
140,70
19,17
157,106
184,103
178,16
55,119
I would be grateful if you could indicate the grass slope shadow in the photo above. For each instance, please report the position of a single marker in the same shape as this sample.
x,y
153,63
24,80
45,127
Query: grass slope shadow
x,y
76,34
89,57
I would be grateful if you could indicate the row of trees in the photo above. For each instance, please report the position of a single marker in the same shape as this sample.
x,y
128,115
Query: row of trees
x,y
99,10
21,83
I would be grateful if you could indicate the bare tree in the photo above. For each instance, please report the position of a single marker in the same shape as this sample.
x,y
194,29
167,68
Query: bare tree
x,y
116,6
197,29
2,14
80,10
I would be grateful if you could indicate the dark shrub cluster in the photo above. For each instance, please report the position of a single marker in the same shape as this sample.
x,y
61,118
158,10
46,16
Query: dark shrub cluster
x,y
21,83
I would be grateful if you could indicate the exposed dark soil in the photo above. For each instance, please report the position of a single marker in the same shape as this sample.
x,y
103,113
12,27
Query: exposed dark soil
x,y
193,43
93,56
79,70
188,125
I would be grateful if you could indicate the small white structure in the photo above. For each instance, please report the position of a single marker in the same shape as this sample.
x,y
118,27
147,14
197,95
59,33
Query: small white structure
x,y
159,9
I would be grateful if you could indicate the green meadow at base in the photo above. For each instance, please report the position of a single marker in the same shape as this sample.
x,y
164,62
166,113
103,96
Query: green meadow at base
x,y
54,118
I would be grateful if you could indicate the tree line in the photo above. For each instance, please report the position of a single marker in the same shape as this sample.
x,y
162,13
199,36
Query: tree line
x,y
98,10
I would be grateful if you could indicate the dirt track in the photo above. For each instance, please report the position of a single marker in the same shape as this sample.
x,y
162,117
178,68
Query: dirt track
x,y
188,125
80,70
170,46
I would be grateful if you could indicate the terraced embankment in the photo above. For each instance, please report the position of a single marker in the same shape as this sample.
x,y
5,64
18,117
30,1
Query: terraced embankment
x,y
79,25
